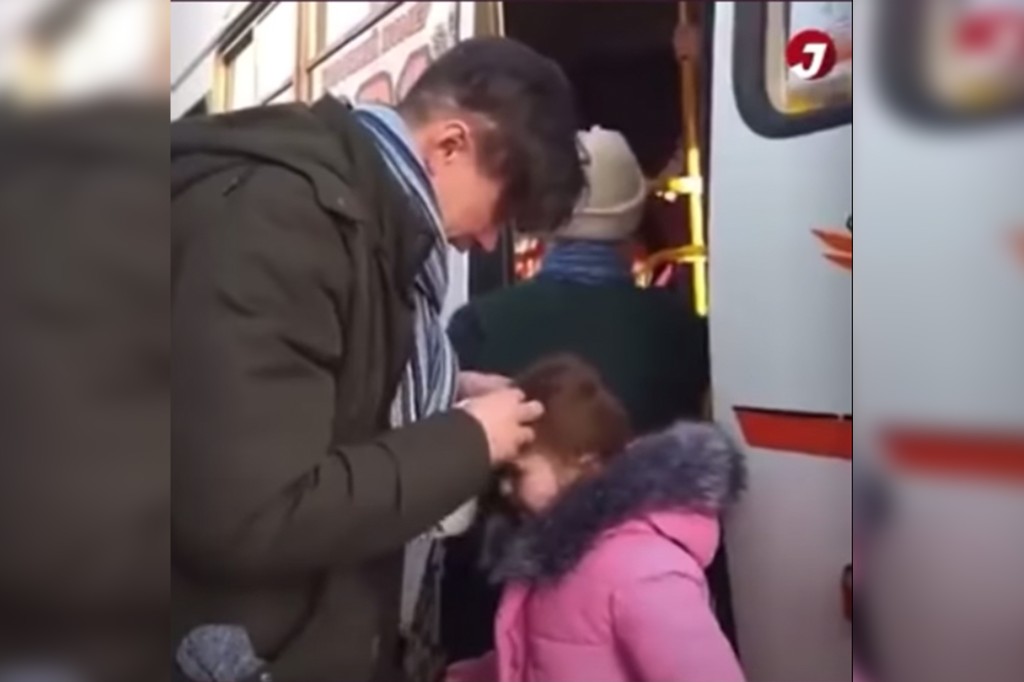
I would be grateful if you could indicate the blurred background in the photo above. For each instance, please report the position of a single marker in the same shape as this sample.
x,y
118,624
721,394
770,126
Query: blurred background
x,y
754,180
66,50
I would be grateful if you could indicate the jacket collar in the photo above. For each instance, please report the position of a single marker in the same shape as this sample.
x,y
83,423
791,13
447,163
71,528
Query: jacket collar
x,y
379,196
325,144
286,136
677,482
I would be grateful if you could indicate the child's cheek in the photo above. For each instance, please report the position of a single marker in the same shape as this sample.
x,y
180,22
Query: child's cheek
x,y
537,493
524,494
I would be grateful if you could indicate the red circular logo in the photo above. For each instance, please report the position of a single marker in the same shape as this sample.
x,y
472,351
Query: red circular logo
x,y
811,54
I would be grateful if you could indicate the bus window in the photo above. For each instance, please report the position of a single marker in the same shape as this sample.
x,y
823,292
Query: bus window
x,y
773,101
379,61
955,61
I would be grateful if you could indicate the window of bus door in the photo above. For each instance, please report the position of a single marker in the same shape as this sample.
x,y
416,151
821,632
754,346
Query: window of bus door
x,y
285,96
259,64
772,100
955,61
388,52
340,28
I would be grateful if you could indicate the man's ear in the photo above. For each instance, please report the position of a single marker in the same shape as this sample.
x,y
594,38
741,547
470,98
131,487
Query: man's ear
x,y
453,137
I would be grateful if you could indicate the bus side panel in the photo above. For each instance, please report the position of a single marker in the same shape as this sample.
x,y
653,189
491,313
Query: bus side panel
x,y
940,335
781,341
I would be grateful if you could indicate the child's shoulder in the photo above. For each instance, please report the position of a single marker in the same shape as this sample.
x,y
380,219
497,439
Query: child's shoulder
x,y
637,550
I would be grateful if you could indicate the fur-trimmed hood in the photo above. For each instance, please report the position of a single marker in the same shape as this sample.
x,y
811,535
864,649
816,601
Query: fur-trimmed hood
x,y
690,469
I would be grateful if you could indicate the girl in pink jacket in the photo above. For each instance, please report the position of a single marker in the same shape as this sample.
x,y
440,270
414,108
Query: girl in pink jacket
x,y
603,563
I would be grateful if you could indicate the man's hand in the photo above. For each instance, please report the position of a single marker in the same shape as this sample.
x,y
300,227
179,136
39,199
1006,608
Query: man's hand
x,y
505,416
476,384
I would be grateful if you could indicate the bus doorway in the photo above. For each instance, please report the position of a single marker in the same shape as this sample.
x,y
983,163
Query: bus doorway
x,y
624,62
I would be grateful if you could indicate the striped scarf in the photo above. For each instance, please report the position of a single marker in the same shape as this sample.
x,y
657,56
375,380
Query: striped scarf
x,y
586,262
428,386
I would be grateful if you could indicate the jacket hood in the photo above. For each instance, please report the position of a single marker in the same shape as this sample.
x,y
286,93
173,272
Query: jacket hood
x,y
290,135
680,480
330,148
275,134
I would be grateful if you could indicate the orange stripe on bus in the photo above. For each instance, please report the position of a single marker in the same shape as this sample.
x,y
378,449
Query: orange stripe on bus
x,y
1017,242
839,247
970,455
821,435
845,262
837,241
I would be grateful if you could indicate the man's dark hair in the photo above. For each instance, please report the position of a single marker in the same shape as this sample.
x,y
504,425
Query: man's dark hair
x,y
527,130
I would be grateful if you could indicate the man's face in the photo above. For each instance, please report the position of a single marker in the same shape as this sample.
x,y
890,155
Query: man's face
x,y
467,197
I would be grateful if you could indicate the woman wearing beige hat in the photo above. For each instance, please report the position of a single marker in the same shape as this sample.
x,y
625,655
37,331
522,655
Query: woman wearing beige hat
x,y
647,344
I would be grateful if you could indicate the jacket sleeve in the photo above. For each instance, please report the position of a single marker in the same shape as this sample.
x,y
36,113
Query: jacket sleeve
x,y
666,631
260,491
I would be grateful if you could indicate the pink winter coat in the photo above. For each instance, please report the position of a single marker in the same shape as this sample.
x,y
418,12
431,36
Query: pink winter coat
x,y
609,585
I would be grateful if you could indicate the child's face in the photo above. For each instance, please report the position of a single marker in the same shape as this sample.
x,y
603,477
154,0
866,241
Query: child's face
x,y
535,479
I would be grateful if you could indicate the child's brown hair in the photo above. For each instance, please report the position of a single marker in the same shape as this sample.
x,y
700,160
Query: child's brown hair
x,y
581,415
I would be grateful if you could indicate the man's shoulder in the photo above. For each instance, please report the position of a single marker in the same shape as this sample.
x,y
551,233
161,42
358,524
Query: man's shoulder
x,y
297,118
255,225
305,150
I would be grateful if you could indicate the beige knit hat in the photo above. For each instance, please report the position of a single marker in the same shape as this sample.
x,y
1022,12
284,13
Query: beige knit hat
x,y
613,204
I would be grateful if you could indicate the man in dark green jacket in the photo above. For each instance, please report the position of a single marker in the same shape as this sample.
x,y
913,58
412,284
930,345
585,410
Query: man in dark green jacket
x,y
314,434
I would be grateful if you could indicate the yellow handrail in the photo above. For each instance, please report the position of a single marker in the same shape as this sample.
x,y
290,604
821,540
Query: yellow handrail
x,y
692,254
692,166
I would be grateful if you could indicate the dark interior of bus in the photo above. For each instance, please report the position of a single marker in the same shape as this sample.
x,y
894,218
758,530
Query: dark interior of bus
x,y
622,61
620,58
